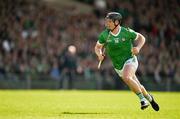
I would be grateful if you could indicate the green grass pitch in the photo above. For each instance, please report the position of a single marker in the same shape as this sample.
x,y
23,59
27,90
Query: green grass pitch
x,y
75,104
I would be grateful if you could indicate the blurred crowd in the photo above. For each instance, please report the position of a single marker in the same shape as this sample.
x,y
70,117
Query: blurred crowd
x,y
37,39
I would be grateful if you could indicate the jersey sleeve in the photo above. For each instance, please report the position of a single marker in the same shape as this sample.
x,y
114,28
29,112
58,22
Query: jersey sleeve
x,y
132,34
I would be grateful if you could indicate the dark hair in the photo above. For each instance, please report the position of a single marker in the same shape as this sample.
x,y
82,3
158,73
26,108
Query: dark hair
x,y
114,16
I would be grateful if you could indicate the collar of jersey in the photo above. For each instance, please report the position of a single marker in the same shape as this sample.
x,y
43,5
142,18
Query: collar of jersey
x,y
117,33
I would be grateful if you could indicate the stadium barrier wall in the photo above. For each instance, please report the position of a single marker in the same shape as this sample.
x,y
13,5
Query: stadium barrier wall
x,y
13,81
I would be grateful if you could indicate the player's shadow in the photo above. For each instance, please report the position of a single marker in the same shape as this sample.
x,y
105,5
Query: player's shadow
x,y
84,113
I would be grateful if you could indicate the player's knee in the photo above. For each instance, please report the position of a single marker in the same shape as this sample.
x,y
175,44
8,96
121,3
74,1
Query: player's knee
x,y
126,78
142,87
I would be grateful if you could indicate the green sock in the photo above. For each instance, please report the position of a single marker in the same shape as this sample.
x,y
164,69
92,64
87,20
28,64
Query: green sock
x,y
148,97
141,96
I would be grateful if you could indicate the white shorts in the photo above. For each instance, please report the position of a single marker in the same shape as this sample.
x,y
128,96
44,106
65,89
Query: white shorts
x,y
132,61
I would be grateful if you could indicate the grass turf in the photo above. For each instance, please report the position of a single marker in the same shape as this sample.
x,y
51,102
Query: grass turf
x,y
48,104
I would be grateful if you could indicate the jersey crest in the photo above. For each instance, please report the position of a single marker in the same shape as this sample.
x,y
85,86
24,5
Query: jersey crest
x,y
123,39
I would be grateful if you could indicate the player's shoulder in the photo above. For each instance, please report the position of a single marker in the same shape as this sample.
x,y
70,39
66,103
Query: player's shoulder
x,y
105,32
127,29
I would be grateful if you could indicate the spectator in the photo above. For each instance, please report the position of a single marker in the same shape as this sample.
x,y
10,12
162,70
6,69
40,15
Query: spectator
x,y
33,34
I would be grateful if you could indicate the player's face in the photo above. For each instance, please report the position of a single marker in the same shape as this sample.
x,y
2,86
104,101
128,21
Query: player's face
x,y
109,24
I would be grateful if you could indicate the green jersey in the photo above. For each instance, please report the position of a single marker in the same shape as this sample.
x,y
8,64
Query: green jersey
x,y
118,47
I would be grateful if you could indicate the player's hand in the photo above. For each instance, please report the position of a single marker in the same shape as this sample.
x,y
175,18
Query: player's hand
x,y
101,57
135,50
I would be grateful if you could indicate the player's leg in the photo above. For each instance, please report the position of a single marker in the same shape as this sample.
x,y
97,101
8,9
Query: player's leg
x,y
144,91
147,95
127,76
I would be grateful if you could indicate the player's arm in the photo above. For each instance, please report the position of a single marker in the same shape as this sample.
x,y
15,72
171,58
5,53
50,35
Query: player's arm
x,y
139,41
98,50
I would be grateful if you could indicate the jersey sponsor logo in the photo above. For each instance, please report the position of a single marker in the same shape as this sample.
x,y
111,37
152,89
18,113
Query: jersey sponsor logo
x,y
116,40
108,41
